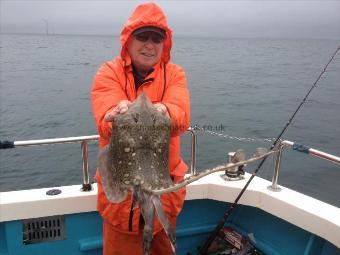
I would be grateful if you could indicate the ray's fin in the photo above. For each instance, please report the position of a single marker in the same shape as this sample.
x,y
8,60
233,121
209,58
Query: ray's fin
x,y
112,192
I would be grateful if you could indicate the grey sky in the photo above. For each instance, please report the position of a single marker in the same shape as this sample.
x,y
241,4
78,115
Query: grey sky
x,y
310,19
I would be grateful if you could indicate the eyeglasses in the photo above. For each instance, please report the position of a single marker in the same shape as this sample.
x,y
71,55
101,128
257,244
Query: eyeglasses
x,y
144,37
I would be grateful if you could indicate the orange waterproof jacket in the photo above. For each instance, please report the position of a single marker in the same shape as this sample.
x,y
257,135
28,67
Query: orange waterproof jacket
x,y
114,82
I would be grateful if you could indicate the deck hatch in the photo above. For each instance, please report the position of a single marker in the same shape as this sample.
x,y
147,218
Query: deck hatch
x,y
43,229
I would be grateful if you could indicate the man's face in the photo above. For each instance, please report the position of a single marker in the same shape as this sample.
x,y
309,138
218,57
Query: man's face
x,y
145,50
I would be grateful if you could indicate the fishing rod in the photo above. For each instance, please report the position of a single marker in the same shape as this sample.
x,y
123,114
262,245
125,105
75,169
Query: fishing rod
x,y
211,238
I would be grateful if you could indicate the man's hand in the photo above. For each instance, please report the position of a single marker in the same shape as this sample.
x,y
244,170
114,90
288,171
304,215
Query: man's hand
x,y
162,109
121,107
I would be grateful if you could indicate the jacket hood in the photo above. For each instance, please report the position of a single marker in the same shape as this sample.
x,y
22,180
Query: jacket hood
x,y
148,14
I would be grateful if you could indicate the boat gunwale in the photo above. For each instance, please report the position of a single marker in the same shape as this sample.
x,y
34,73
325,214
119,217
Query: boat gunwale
x,y
301,210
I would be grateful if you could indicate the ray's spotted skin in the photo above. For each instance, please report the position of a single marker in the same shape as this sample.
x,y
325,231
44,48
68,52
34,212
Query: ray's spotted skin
x,y
137,159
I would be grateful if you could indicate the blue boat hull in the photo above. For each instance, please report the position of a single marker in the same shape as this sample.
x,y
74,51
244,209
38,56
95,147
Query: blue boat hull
x,y
199,217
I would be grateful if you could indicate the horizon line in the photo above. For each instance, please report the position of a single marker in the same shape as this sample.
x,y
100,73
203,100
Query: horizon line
x,y
178,36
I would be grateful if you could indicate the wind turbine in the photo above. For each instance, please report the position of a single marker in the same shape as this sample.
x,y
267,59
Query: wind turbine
x,y
46,25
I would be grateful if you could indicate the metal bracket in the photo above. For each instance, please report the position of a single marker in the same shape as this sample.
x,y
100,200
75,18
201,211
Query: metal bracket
x,y
236,173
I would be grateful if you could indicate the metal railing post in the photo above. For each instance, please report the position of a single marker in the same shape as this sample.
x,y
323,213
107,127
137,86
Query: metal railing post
x,y
86,182
274,186
193,151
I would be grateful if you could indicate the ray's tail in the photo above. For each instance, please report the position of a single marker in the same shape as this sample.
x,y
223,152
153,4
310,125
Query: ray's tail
x,y
199,175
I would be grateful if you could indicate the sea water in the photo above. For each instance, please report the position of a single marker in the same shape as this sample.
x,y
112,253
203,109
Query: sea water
x,y
240,88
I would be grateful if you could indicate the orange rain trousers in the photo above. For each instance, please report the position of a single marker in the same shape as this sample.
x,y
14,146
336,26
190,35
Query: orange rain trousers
x,y
132,244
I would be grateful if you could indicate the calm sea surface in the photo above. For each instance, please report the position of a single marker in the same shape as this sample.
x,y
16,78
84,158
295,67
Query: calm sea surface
x,y
241,87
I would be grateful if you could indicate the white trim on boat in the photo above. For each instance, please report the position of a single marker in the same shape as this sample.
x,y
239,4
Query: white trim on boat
x,y
306,212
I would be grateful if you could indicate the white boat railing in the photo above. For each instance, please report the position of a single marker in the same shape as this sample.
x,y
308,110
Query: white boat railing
x,y
83,140
300,148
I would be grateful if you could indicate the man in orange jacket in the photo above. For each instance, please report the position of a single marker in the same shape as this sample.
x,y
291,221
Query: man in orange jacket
x,y
143,66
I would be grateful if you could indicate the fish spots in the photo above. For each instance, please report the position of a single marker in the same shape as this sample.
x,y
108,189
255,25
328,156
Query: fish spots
x,y
154,154
126,181
119,162
129,163
159,150
137,180
133,154
141,138
127,149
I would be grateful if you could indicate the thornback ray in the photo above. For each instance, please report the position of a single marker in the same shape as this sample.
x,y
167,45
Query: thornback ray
x,y
137,160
